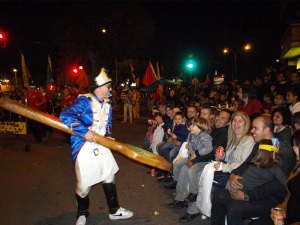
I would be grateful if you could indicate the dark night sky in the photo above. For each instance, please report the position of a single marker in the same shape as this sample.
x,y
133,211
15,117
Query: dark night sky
x,y
183,28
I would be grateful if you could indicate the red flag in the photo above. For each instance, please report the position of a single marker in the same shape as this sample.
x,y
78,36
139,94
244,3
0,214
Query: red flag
x,y
207,81
149,76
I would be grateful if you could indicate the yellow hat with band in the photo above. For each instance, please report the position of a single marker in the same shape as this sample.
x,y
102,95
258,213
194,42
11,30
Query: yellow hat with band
x,y
270,148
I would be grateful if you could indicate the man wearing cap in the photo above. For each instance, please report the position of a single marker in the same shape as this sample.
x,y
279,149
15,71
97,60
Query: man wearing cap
x,y
93,163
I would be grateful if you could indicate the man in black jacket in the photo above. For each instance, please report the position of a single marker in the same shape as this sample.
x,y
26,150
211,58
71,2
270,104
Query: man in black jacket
x,y
239,205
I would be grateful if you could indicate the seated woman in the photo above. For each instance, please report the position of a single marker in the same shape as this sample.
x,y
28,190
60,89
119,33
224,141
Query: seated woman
x,y
239,146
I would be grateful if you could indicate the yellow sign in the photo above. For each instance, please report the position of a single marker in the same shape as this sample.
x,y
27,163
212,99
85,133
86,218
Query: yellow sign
x,y
12,128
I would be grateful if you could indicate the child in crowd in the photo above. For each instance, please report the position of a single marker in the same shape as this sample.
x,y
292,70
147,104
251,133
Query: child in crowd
x,y
293,99
169,150
263,167
279,101
290,205
187,171
158,132
149,134
179,135
180,131
267,104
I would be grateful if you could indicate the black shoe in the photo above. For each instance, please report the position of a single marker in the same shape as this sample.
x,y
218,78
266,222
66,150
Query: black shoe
x,y
188,217
161,178
191,198
168,179
171,185
178,204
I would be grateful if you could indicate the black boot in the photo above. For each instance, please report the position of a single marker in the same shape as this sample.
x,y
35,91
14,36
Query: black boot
x,y
83,206
110,192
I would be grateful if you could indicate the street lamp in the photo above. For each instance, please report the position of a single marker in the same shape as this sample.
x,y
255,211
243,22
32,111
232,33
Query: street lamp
x,y
16,79
246,48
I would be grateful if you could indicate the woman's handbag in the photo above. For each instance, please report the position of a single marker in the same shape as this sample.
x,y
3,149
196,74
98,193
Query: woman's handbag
x,y
220,179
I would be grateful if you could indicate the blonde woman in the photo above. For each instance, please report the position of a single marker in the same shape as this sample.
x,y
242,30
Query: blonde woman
x,y
239,144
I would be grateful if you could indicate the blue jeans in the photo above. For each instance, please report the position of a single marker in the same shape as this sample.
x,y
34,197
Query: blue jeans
x,y
163,148
236,210
169,153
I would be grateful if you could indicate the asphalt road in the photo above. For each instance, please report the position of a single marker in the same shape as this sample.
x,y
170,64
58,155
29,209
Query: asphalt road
x,y
37,186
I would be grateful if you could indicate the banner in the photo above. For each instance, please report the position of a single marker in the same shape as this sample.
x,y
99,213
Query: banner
x,y
12,128
49,71
25,71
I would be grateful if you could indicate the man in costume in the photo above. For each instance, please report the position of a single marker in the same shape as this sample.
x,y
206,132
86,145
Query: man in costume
x,y
93,163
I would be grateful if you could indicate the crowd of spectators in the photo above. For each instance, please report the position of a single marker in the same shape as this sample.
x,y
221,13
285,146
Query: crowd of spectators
x,y
255,121
259,120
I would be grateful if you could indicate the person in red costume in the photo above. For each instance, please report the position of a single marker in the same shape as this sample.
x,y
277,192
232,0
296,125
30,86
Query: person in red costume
x,y
248,102
35,100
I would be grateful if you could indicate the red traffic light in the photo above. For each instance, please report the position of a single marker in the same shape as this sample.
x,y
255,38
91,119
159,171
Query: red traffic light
x,y
75,70
2,39
51,86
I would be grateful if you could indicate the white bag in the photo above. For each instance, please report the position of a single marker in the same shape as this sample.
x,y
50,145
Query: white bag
x,y
204,194
183,152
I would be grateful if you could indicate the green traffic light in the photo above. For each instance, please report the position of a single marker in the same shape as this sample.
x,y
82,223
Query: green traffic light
x,y
191,65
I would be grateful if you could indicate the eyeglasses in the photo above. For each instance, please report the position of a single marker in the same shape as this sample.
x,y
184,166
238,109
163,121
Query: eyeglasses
x,y
108,85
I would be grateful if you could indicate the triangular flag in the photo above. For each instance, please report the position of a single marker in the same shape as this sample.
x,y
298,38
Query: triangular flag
x,y
82,80
159,89
25,71
131,68
96,64
157,71
149,76
49,71
207,81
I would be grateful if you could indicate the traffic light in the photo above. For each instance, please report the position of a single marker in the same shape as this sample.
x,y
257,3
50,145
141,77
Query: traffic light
x,y
51,86
2,39
75,70
190,65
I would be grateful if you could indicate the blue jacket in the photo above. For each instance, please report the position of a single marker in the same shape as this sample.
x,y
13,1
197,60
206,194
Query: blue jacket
x,y
79,118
